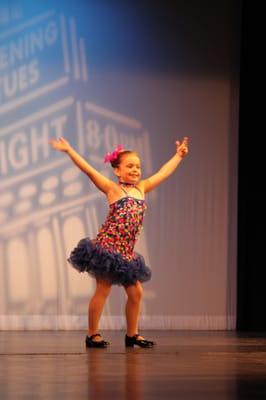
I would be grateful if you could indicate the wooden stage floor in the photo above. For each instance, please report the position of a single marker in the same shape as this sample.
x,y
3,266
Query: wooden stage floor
x,y
184,365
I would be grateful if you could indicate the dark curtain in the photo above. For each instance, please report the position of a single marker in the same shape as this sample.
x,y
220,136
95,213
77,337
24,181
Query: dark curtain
x,y
251,293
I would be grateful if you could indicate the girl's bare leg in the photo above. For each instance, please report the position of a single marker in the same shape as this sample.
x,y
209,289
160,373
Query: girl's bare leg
x,y
96,305
133,307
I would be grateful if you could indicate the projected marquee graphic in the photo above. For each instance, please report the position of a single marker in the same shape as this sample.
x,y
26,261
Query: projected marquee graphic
x,y
46,203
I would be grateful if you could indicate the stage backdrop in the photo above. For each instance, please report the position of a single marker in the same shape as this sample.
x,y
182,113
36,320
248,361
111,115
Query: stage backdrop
x,y
101,73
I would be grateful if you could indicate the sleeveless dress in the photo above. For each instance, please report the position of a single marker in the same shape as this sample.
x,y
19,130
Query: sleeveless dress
x,y
111,255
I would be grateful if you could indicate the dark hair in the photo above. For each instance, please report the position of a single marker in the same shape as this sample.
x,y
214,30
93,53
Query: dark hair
x,y
115,163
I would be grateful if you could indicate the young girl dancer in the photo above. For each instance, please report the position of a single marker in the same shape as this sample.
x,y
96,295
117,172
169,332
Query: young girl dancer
x,y
110,258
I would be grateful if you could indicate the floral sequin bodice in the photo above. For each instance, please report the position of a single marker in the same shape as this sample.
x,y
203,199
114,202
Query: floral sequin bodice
x,y
122,226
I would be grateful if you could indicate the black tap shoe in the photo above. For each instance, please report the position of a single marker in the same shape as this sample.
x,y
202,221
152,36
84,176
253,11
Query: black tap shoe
x,y
130,341
93,343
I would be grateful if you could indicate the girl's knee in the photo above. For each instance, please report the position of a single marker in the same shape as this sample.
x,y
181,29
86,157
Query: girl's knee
x,y
135,292
103,288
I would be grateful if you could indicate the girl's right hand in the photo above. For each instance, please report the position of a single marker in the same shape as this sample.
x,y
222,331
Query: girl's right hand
x,y
60,144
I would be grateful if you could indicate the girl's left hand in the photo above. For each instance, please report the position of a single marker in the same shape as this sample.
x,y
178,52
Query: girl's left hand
x,y
182,149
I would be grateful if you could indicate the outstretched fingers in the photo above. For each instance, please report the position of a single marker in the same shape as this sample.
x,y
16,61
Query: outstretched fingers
x,y
60,144
182,149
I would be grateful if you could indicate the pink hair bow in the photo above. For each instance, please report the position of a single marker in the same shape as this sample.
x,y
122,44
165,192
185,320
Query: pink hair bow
x,y
113,156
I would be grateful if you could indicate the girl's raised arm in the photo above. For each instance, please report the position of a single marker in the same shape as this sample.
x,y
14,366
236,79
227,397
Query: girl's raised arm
x,y
167,169
102,183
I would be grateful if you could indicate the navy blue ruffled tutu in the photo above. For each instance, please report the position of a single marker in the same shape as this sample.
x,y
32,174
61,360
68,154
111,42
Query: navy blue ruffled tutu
x,y
112,267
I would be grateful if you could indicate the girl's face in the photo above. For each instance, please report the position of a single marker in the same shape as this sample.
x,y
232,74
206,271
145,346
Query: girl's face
x,y
129,169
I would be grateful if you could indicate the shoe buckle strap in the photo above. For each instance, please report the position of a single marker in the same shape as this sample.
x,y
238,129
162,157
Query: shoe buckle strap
x,y
95,335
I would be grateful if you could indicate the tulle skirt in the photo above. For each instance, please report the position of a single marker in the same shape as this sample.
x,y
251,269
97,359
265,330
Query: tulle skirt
x,y
90,257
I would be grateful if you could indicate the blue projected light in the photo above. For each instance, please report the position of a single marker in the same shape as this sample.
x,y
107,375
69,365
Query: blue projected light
x,y
102,73
45,92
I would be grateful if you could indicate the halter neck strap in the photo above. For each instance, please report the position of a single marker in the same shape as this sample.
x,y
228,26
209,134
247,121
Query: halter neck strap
x,y
124,190
133,186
